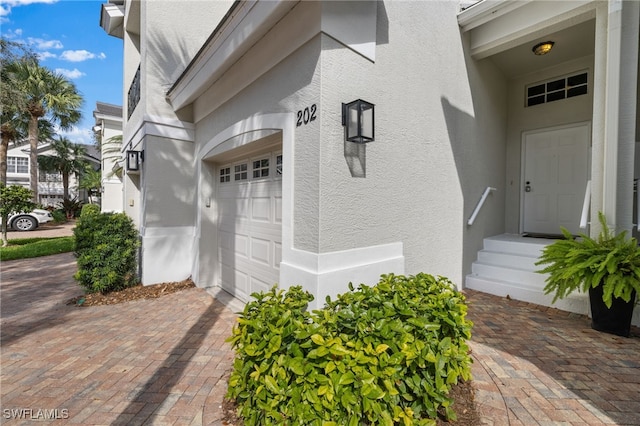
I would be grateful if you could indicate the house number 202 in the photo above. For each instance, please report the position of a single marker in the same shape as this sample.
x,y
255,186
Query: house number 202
x,y
306,115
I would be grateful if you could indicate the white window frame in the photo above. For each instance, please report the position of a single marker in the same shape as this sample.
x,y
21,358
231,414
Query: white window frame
x,y
261,169
241,172
224,174
565,90
272,169
13,165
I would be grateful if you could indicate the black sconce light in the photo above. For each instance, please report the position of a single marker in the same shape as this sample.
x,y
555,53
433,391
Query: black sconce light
x,y
134,159
358,117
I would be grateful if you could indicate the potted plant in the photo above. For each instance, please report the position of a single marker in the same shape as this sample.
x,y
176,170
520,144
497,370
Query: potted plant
x,y
607,267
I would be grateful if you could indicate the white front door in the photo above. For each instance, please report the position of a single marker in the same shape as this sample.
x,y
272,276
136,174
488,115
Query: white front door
x,y
555,177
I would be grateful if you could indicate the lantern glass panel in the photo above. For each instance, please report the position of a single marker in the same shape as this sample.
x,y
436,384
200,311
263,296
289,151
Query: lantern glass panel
x,y
132,160
359,120
366,122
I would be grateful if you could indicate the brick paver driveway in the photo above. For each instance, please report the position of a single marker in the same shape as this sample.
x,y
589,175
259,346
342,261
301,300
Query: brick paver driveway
x,y
164,361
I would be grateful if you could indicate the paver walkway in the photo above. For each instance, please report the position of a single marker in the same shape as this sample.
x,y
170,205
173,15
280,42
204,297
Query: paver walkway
x,y
164,361
540,366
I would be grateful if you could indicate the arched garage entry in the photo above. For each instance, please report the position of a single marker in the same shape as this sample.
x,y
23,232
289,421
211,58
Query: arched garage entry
x,y
243,206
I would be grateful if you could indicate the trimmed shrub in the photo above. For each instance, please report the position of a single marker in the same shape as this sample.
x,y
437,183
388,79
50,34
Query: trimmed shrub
x,y
106,248
58,216
387,354
89,210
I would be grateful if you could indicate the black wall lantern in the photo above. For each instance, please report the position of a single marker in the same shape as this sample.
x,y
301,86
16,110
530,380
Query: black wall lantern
x,y
358,117
134,159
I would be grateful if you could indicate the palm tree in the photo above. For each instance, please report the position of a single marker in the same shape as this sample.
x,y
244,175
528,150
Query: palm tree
x,y
67,159
91,180
12,100
111,151
49,96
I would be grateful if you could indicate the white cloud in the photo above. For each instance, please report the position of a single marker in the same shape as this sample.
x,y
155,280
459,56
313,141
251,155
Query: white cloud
x,y
11,34
43,56
12,3
6,5
4,11
78,55
42,44
70,74
77,135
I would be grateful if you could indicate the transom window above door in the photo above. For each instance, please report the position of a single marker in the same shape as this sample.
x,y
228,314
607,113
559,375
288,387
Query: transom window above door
x,y
557,89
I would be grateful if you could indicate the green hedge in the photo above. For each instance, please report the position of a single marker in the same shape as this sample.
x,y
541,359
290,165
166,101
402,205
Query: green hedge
x,y
387,354
89,210
107,249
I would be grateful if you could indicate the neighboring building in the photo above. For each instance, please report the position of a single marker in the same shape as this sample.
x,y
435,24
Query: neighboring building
x,y
108,128
50,189
248,179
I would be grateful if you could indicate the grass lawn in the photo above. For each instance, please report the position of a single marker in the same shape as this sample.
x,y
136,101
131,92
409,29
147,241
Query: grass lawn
x,y
25,248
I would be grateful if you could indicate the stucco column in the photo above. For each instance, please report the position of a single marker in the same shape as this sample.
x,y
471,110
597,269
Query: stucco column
x,y
615,79
625,119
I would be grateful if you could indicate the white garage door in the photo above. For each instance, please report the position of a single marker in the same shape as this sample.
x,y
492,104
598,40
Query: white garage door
x,y
249,201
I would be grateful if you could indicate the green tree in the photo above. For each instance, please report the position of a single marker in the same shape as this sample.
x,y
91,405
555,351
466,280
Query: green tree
x,y
49,96
111,151
68,158
13,199
12,100
91,180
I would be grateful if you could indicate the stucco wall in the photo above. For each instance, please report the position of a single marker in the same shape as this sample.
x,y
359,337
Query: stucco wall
x,y
438,142
175,31
169,187
572,110
112,189
292,84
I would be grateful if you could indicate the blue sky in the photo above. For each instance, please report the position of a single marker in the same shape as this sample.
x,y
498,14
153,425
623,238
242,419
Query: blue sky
x,y
68,37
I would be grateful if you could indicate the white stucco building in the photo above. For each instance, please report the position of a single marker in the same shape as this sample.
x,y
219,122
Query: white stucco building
x,y
108,127
246,178
50,187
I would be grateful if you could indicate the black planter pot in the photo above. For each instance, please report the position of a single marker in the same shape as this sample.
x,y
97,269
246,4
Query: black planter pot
x,y
615,320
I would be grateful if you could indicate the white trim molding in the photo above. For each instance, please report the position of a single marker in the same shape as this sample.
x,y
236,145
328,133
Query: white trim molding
x,y
328,274
152,125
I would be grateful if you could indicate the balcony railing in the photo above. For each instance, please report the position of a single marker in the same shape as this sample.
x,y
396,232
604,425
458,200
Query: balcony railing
x,y
134,94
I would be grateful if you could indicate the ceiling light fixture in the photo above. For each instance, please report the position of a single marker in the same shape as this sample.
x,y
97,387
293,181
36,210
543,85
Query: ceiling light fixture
x,y
542,48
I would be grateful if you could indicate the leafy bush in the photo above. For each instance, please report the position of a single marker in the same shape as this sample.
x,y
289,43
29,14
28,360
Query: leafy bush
x,y
71,207
106,248
387,354
578,264
59,216
89,210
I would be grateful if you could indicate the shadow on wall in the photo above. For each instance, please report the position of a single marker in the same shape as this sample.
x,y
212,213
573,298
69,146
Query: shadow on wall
x,y
356,156
480,162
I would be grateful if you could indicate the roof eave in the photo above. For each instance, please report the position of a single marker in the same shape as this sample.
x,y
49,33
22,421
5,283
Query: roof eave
x,y
245,23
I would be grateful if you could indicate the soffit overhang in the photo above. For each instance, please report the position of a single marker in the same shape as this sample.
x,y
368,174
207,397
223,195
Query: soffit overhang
x,y
500,25
240,29
112,19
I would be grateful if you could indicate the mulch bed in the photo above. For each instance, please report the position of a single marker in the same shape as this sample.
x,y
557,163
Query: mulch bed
x,y
131,294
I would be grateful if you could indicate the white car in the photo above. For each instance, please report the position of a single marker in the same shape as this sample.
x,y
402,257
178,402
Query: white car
x,y
29,221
